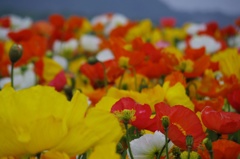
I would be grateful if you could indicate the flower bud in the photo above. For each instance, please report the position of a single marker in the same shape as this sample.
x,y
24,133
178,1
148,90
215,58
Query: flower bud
x,y
165,121
189,140
15,53
92,60
208,143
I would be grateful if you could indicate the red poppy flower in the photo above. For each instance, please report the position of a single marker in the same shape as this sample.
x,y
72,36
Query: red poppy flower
x,y
221,122
59,81
94,72
56,20
222,149
5,22
183,122
234,100
141,114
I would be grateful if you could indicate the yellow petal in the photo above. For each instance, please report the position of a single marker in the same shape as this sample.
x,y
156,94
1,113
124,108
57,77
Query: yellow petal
x,y
98,127
176,95
105,151
54,155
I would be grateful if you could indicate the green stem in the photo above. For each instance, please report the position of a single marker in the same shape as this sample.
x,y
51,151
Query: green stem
x,y
166,142
120,81
189,151
211,154
160,153
105,74
127,138
135,79
12,69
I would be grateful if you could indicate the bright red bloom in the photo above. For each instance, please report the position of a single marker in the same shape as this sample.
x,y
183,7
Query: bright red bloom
x,y
142,113
221,122
5,22
183,122
222,149
234,100
94,72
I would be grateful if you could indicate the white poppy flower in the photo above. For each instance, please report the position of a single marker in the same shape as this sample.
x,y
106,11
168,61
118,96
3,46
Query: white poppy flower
x,y
90,42
4,33
105,55
22,79
60,47
194,28
109,21
19,23
206,41
148,145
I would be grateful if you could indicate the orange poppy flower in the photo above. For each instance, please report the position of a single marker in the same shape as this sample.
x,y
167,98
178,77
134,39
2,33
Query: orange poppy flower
x,y
220,121
200,65
215,103
176,77
222,149
96,95
183,122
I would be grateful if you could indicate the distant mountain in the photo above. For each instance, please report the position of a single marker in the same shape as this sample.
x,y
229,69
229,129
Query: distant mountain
x,y
133,9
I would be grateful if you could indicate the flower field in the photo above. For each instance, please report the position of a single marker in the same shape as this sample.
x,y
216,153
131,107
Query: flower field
x,y
113,88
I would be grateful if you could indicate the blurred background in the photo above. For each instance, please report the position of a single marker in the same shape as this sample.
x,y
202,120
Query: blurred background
x,y
222,11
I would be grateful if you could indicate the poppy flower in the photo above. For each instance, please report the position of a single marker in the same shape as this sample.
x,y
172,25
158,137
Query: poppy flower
x,y
215,103
94,72
220,121
183,122
222,149
234,100
148,145
48,121
129,111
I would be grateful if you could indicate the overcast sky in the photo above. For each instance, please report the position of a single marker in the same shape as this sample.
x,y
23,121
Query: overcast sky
x,y
230,7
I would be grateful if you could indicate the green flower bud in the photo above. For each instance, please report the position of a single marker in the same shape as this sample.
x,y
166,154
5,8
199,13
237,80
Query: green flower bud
x,y
165,121
92,60
15,53
189,141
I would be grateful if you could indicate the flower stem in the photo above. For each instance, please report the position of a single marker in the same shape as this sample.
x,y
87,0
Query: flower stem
x,y
166,142
189,152
104,74
211,154
12,69
127,138
120,81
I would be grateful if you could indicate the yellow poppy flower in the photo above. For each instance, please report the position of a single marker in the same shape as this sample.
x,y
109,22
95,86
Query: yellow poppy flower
x,y
39,118
228,62
173,95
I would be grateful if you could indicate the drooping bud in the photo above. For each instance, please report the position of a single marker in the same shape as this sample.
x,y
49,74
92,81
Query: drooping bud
x,y
189,141
165,121
15,53
92,60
